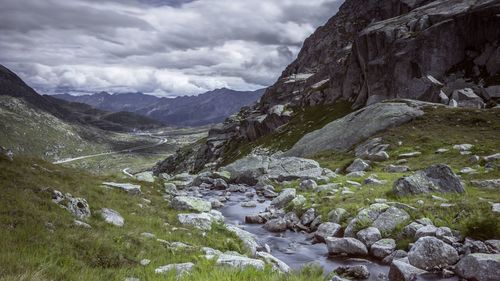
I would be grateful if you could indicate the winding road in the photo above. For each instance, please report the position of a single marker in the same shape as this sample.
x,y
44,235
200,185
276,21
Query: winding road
x,y
161,141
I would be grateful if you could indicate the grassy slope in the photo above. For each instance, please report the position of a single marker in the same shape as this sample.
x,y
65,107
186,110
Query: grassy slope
x,y
30,131
31,251
437,129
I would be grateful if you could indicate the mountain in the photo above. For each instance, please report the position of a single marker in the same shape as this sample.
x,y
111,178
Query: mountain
x,y
207,108
444,51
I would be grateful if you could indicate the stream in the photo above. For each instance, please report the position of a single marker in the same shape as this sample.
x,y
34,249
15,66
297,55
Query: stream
x,y
297,249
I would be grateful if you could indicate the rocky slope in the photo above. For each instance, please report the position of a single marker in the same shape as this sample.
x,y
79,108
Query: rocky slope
x,y
443,51
207,108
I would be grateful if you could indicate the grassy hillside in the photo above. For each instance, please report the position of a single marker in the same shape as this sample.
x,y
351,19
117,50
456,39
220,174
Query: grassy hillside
x,y
30,131
39,241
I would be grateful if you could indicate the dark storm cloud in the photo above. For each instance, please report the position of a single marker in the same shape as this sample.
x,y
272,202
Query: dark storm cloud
x,y
157,46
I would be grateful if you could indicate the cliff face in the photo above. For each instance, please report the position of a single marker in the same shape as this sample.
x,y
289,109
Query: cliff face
x,y
372,51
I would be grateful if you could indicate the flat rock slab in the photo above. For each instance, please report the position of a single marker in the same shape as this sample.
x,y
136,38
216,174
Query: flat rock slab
x,y
127,187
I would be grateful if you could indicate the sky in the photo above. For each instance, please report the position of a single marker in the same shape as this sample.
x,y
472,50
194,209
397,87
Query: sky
x,y
160,47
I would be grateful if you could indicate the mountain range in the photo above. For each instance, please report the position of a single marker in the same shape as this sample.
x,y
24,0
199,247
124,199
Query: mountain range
x,y
207,108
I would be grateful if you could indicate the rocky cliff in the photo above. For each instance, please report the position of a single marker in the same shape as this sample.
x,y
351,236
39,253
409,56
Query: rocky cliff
x,y
444,51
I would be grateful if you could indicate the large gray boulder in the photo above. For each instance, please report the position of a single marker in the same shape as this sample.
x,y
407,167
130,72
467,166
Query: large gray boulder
x,y
358,165
249,169
342,134
436,178
429,253
276,225
327,229
112,217
78,207
286,196
479,267
346,246
201,221
383,248
402,271
369,236
381,216
190,203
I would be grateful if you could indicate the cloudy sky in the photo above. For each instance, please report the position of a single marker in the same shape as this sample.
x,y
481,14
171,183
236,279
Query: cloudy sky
x,y
163,47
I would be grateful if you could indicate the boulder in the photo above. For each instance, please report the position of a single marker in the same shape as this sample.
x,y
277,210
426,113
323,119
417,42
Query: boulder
x,y
387,221
410,230
345,246
369,236
285,197
249,204
277,263
467,98
402,271
298,202
327,229
383,248
112,217
254,219
479,267
179,268
436,178
308,185
249,240
308,217
487,184
339,135
429,253
397,169
276,225
127,187
201,221
337,215
396,255
145,176
190,203
236,261
356,272
78,207
358,165
428,230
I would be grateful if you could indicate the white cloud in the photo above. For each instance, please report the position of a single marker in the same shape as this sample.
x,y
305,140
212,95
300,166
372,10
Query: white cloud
x,y
179,48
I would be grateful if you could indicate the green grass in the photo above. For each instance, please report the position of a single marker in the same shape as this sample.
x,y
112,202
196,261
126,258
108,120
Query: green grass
x,y
438,128
39,241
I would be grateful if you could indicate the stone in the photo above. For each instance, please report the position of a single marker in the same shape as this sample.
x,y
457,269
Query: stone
x,y
367,216
467,98
463,147
397,169
479,267
291,219
201,221
358,174
179,268
387,221
276,225
345,246
337,215
81,224
428,230
492,157
249,204
383,248
442,150
436,178
254,219
285,197
216,204
325,230
373,180
368,121
145,262
357,272
308,185
378,157
429,253
190,203
78,207
487,184
112,217
396,255
358,165
127,187
145,176
298,202
369,236
277,263
495,208
410,154
148,235
402,271
308,217
239,262
249,240
468,170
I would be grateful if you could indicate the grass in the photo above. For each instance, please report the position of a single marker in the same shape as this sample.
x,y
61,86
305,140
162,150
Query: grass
x,y
39,241
438,128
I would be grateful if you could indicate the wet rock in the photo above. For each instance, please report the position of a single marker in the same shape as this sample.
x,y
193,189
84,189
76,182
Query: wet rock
x,y
276,225
216,204
127,187
179,268
358,165
291,219
308,185
308,217
479,267
369,236
327,229
249,204
358,272
429,253
436,178
315,223
346,246
463,147
285,197
190,203
112,217
396,255
383,248
254,219
401,271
